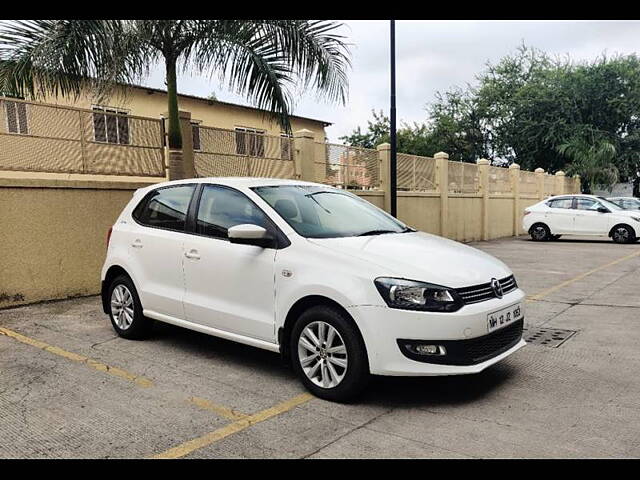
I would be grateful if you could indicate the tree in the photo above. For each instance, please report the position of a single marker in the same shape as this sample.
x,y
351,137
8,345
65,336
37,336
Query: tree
x,y
413,139
592,160
261,59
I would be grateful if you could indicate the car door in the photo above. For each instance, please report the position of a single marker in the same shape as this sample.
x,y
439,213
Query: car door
x,y
156,248
228,286
560,215
588,220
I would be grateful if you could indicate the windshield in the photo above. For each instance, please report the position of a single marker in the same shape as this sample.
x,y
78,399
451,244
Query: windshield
x,y
317,212
610,205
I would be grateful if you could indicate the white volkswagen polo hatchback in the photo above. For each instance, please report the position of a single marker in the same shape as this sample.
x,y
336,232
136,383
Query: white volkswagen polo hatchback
x,y
337,286
580,215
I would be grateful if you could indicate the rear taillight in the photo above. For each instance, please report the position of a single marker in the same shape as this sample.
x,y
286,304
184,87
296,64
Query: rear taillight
x,y
109,236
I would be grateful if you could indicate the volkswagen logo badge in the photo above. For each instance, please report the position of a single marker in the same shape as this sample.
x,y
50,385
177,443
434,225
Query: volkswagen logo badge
x,y
496,287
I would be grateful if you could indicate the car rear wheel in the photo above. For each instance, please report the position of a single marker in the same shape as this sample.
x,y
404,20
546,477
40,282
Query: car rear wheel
x,y
623,234
540,232
125,310
329,355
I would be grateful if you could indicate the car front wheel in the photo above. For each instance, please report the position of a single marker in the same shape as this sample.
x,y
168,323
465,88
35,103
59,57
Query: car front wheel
x,y
623,234
328,354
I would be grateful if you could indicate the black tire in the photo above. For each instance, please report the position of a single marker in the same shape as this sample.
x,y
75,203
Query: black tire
x,y
540,232
555,237
355,376
623,234
140,326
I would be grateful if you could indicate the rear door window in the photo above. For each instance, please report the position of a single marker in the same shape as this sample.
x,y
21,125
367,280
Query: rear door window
x,y
561,203
165,208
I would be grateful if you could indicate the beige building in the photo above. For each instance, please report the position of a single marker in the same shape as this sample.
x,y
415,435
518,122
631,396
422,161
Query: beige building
x,y
152,102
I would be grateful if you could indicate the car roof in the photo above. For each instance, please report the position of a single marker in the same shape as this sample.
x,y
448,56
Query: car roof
x,y
571,195
238,182
623,198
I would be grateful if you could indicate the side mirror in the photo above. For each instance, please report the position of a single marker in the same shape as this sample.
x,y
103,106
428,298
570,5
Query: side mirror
x,y
248,234
603,210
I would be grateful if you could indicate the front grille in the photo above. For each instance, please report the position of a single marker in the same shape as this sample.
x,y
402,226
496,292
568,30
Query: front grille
x,y
483,292
469,351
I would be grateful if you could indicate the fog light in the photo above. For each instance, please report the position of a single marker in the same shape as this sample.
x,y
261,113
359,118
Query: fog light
x,y
421,349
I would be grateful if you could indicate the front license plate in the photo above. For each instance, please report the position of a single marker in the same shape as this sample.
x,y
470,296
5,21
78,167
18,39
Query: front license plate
x,y
502,317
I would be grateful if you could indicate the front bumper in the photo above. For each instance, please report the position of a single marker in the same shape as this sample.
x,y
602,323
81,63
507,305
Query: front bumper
x,y
471,347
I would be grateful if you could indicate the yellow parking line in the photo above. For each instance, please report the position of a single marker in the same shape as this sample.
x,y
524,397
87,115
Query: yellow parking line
x,y
218,409
96,365
235,427
546,292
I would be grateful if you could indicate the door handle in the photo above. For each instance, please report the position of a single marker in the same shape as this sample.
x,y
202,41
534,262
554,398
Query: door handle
x,y
137,243
192,254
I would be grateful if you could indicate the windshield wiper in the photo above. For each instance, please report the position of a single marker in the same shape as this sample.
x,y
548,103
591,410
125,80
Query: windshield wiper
x,y
380,232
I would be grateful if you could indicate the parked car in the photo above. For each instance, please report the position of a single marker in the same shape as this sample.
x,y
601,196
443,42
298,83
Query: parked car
x,y
580,215
337,286
626,203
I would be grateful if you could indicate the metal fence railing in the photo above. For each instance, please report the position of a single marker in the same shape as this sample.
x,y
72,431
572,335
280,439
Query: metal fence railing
x,y
240,153
347,167
416,173
499,180
463,177
528,183
51,138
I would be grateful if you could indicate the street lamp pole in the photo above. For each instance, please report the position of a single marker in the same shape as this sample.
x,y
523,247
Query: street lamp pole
x,y
393,159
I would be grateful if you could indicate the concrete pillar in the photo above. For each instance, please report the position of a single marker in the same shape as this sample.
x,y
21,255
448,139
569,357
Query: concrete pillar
x,y
483,166
560,182
442,184
304,160
384,157
514,171
577,186
180,163
540,182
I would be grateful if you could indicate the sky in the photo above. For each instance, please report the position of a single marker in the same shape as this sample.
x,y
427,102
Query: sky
x,y
432,56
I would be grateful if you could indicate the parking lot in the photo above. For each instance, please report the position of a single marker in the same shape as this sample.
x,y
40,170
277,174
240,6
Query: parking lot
x,y
70,388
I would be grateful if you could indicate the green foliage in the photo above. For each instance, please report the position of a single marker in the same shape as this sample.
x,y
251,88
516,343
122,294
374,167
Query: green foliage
x,y
525,108
592,158
261,59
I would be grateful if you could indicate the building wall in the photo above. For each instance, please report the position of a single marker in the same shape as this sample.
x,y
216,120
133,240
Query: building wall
x,y
211,113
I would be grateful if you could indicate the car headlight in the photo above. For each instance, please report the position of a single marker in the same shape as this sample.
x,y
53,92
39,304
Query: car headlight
x,y
412,295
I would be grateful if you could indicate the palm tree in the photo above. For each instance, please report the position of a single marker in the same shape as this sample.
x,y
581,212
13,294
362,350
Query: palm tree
x,y
260,59
592,159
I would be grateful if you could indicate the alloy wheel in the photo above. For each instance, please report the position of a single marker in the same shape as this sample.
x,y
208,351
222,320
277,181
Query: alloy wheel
x,y
539,232
322,354
122,306
621,235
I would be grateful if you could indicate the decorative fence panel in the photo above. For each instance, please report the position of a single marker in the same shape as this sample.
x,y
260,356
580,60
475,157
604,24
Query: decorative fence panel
x,y
463,177
500,180
528,183
416,173
347,167
238,153
50,138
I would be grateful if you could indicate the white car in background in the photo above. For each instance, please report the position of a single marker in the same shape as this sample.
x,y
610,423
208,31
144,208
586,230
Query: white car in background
x,y
580,215
337,286
626,203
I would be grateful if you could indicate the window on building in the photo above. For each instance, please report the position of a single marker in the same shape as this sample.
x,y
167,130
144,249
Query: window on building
x,y
110,125
195,131
250,141
16,113
286,146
